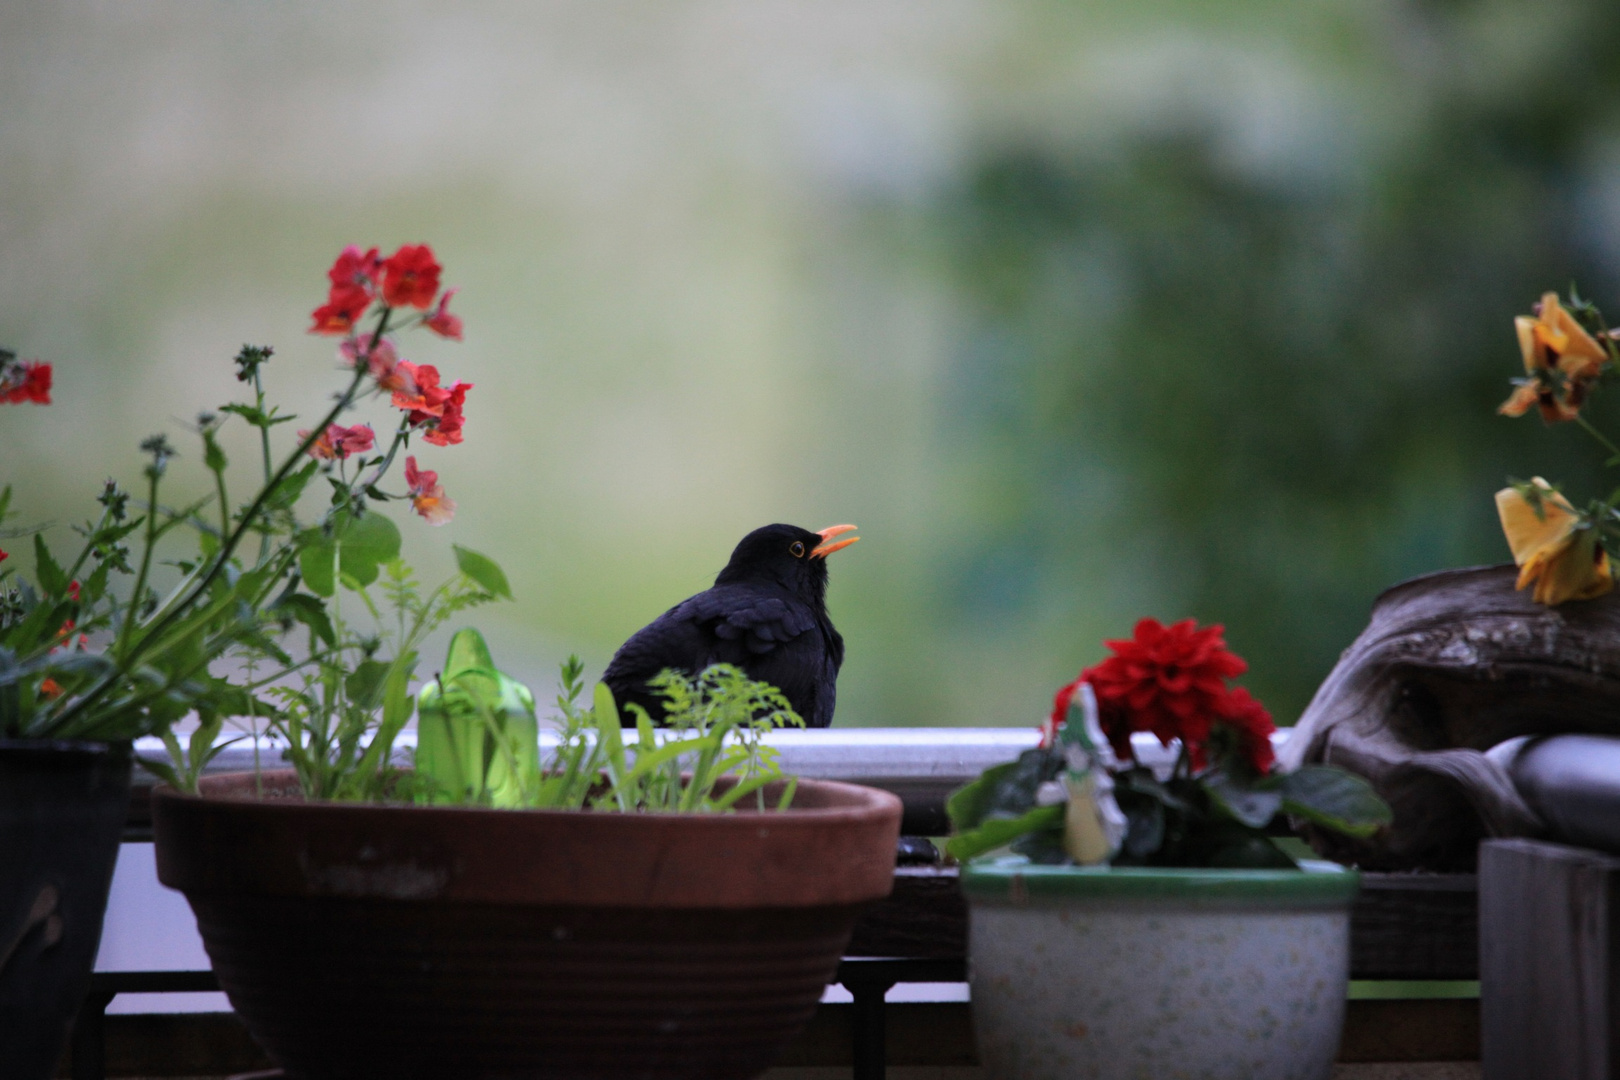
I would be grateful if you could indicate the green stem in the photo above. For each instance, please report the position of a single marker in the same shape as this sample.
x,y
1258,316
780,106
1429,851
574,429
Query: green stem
x,y
224,503
400,437
228,548
1598,435
264,453
140,579
89,546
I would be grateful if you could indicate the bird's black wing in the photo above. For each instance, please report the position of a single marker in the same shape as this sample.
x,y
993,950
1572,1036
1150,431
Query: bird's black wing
x,y
757,620
730,624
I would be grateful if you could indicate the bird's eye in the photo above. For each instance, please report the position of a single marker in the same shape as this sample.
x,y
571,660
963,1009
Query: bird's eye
x,y
797,549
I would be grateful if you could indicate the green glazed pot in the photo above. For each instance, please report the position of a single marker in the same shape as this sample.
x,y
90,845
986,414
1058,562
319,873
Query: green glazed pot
x,y
1100,973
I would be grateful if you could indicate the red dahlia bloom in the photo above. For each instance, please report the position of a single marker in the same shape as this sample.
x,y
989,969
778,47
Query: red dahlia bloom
x,y
1251,723
427,494
411,277
442,322
1170,680
27,380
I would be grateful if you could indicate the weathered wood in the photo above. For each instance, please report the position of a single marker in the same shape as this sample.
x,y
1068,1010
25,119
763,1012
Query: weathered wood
x,y
1450,666
1415,926
1549,961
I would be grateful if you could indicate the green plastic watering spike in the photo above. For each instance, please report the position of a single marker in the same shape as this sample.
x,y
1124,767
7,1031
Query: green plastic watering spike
x,y
478,742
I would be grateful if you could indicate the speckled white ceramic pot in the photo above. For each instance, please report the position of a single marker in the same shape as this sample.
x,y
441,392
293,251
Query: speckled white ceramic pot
x,y
1098,973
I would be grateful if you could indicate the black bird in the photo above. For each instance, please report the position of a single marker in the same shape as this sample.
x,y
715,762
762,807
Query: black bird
x,y
767,614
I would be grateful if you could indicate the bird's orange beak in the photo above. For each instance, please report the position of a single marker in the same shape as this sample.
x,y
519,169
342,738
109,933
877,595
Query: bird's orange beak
x,y
828,545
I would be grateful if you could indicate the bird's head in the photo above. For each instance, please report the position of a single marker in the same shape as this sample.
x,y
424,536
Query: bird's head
x,y
787,555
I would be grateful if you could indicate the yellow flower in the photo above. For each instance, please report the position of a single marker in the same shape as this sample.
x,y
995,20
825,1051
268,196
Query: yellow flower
x,y
1561,361
1552,546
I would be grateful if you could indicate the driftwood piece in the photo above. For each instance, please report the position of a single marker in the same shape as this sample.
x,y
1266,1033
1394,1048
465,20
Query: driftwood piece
x,y
1450,666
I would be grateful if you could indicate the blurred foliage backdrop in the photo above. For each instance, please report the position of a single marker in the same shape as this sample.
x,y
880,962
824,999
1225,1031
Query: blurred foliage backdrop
x,y
1083,311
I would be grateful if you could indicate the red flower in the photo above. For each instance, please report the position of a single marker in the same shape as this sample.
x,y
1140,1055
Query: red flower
x,y
356,270
433,405
338,442
26,380
341,311
4,556
392,374
354,286
443,323
426,397
1167,680
446,431
427,495
411,277
1251,723
49,688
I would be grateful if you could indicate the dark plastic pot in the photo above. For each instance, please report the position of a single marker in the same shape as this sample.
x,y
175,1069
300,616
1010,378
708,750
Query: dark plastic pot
x,y
62,807
363,941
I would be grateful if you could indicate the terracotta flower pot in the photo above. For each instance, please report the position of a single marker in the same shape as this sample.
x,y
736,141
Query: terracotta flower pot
x,y
359,941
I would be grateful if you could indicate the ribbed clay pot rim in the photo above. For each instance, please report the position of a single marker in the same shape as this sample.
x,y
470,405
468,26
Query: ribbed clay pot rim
x,y
835,846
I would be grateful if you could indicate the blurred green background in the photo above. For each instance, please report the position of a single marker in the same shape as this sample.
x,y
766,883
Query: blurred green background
x,y
1082,311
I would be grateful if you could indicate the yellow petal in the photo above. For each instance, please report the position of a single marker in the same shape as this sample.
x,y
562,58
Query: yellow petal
x,y
1576,345
1562,561
1520,401
1579,571
1527,532
1530,347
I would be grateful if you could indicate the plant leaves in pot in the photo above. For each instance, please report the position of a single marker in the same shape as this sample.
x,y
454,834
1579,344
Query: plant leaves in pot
x,y
1127,924
117,641
623,910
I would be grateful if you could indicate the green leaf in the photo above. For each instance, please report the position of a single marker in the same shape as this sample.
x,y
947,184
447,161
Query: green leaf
x,y
311,612
52,578
1000,831
316,559
364,684
163,771
366,542
968,805
1251,806
606,713
483,570
213,456
1332,798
